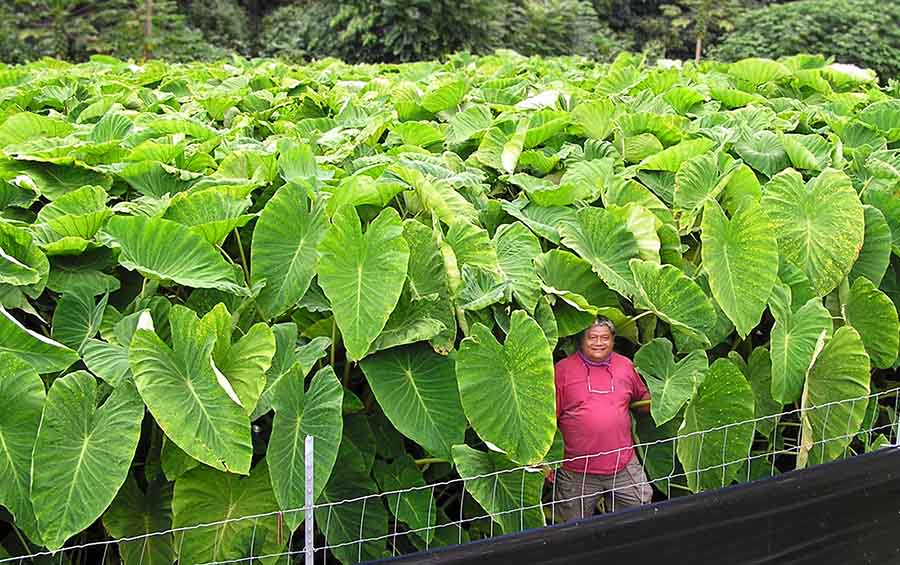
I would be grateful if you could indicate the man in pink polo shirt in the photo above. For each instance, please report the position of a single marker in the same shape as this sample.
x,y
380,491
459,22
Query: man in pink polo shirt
x,y
594,388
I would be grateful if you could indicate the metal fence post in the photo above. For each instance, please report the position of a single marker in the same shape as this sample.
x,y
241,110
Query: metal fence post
x,y
308,548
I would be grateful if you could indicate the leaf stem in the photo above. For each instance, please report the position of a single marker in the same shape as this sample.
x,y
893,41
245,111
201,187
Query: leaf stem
x,y
430,460
240,245
680,487
345,380
634,319
333,339
25,547
640,403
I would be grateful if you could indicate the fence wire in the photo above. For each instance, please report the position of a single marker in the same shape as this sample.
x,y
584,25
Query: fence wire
x,y
503,519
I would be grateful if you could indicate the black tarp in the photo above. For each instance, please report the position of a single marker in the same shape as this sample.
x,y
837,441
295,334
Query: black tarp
x,y
846,512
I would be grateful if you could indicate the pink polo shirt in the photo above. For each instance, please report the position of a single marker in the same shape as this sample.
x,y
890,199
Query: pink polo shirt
x,y
592,408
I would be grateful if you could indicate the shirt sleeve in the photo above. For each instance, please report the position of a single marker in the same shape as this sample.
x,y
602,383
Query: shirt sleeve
x,y
639,389
560,378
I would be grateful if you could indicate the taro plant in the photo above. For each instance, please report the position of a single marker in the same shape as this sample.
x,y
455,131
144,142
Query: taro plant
x,y
200,265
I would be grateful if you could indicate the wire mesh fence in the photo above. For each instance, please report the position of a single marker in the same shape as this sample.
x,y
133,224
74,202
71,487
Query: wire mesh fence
x,y
513,498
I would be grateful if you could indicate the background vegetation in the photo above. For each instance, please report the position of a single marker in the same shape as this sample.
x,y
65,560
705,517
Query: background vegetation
x,y
864,32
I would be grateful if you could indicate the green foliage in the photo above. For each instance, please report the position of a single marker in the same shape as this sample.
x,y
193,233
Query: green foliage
x,y
202,264
74,31
223,23
397,31
555,27
863,32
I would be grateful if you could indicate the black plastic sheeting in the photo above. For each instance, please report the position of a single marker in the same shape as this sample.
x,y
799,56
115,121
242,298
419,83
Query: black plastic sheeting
x,y
846,512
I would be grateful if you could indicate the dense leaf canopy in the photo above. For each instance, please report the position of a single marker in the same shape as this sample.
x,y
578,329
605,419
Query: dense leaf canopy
x,y
202,264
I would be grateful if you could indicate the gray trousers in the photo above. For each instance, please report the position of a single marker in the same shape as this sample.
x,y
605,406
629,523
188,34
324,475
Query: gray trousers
x,y
576,494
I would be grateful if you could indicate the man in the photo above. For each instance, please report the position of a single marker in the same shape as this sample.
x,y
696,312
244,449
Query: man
x,y
594,388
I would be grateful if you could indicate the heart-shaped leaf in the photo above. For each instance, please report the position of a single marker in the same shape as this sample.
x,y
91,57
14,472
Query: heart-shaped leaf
x,y
417,390
830,416
298,414
22,388
819,225
670,294
518,376
82,454
169,251
283,252
713,458
671,384
874,316
794,338
183,392
363,274
741,257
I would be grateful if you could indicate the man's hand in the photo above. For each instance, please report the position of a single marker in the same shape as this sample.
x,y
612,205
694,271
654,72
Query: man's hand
x,y
549,473
641,405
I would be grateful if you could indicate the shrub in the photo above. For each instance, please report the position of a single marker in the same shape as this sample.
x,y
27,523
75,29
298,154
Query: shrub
x,y
224,23
553,27
76,30
863,32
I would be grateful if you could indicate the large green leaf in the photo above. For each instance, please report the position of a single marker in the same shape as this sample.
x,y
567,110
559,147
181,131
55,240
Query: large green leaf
x,y
135,512
713,458
109,359
875,255
346,524
417,390
764,152
207,496
185,395
22,264
671,295
794,338
757,71
512,498
671,383
809,152
82,454
299,414
758,371
363,274
606,244
23,393
287,353
42,353
518,378
516,249
77,319
571,278
642,224
672,158
464,125
80,213
243,363
283,252
832,407
415,508
819,225
741,257
874,316
427,279
701,180
211,214
169,251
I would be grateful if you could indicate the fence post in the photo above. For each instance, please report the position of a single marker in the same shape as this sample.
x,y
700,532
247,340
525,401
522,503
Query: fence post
x,y
308,548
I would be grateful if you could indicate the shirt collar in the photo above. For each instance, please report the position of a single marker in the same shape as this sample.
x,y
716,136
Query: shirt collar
x,y
589,363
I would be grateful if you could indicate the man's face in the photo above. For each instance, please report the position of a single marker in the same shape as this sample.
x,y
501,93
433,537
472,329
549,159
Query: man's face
x,y
597,343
